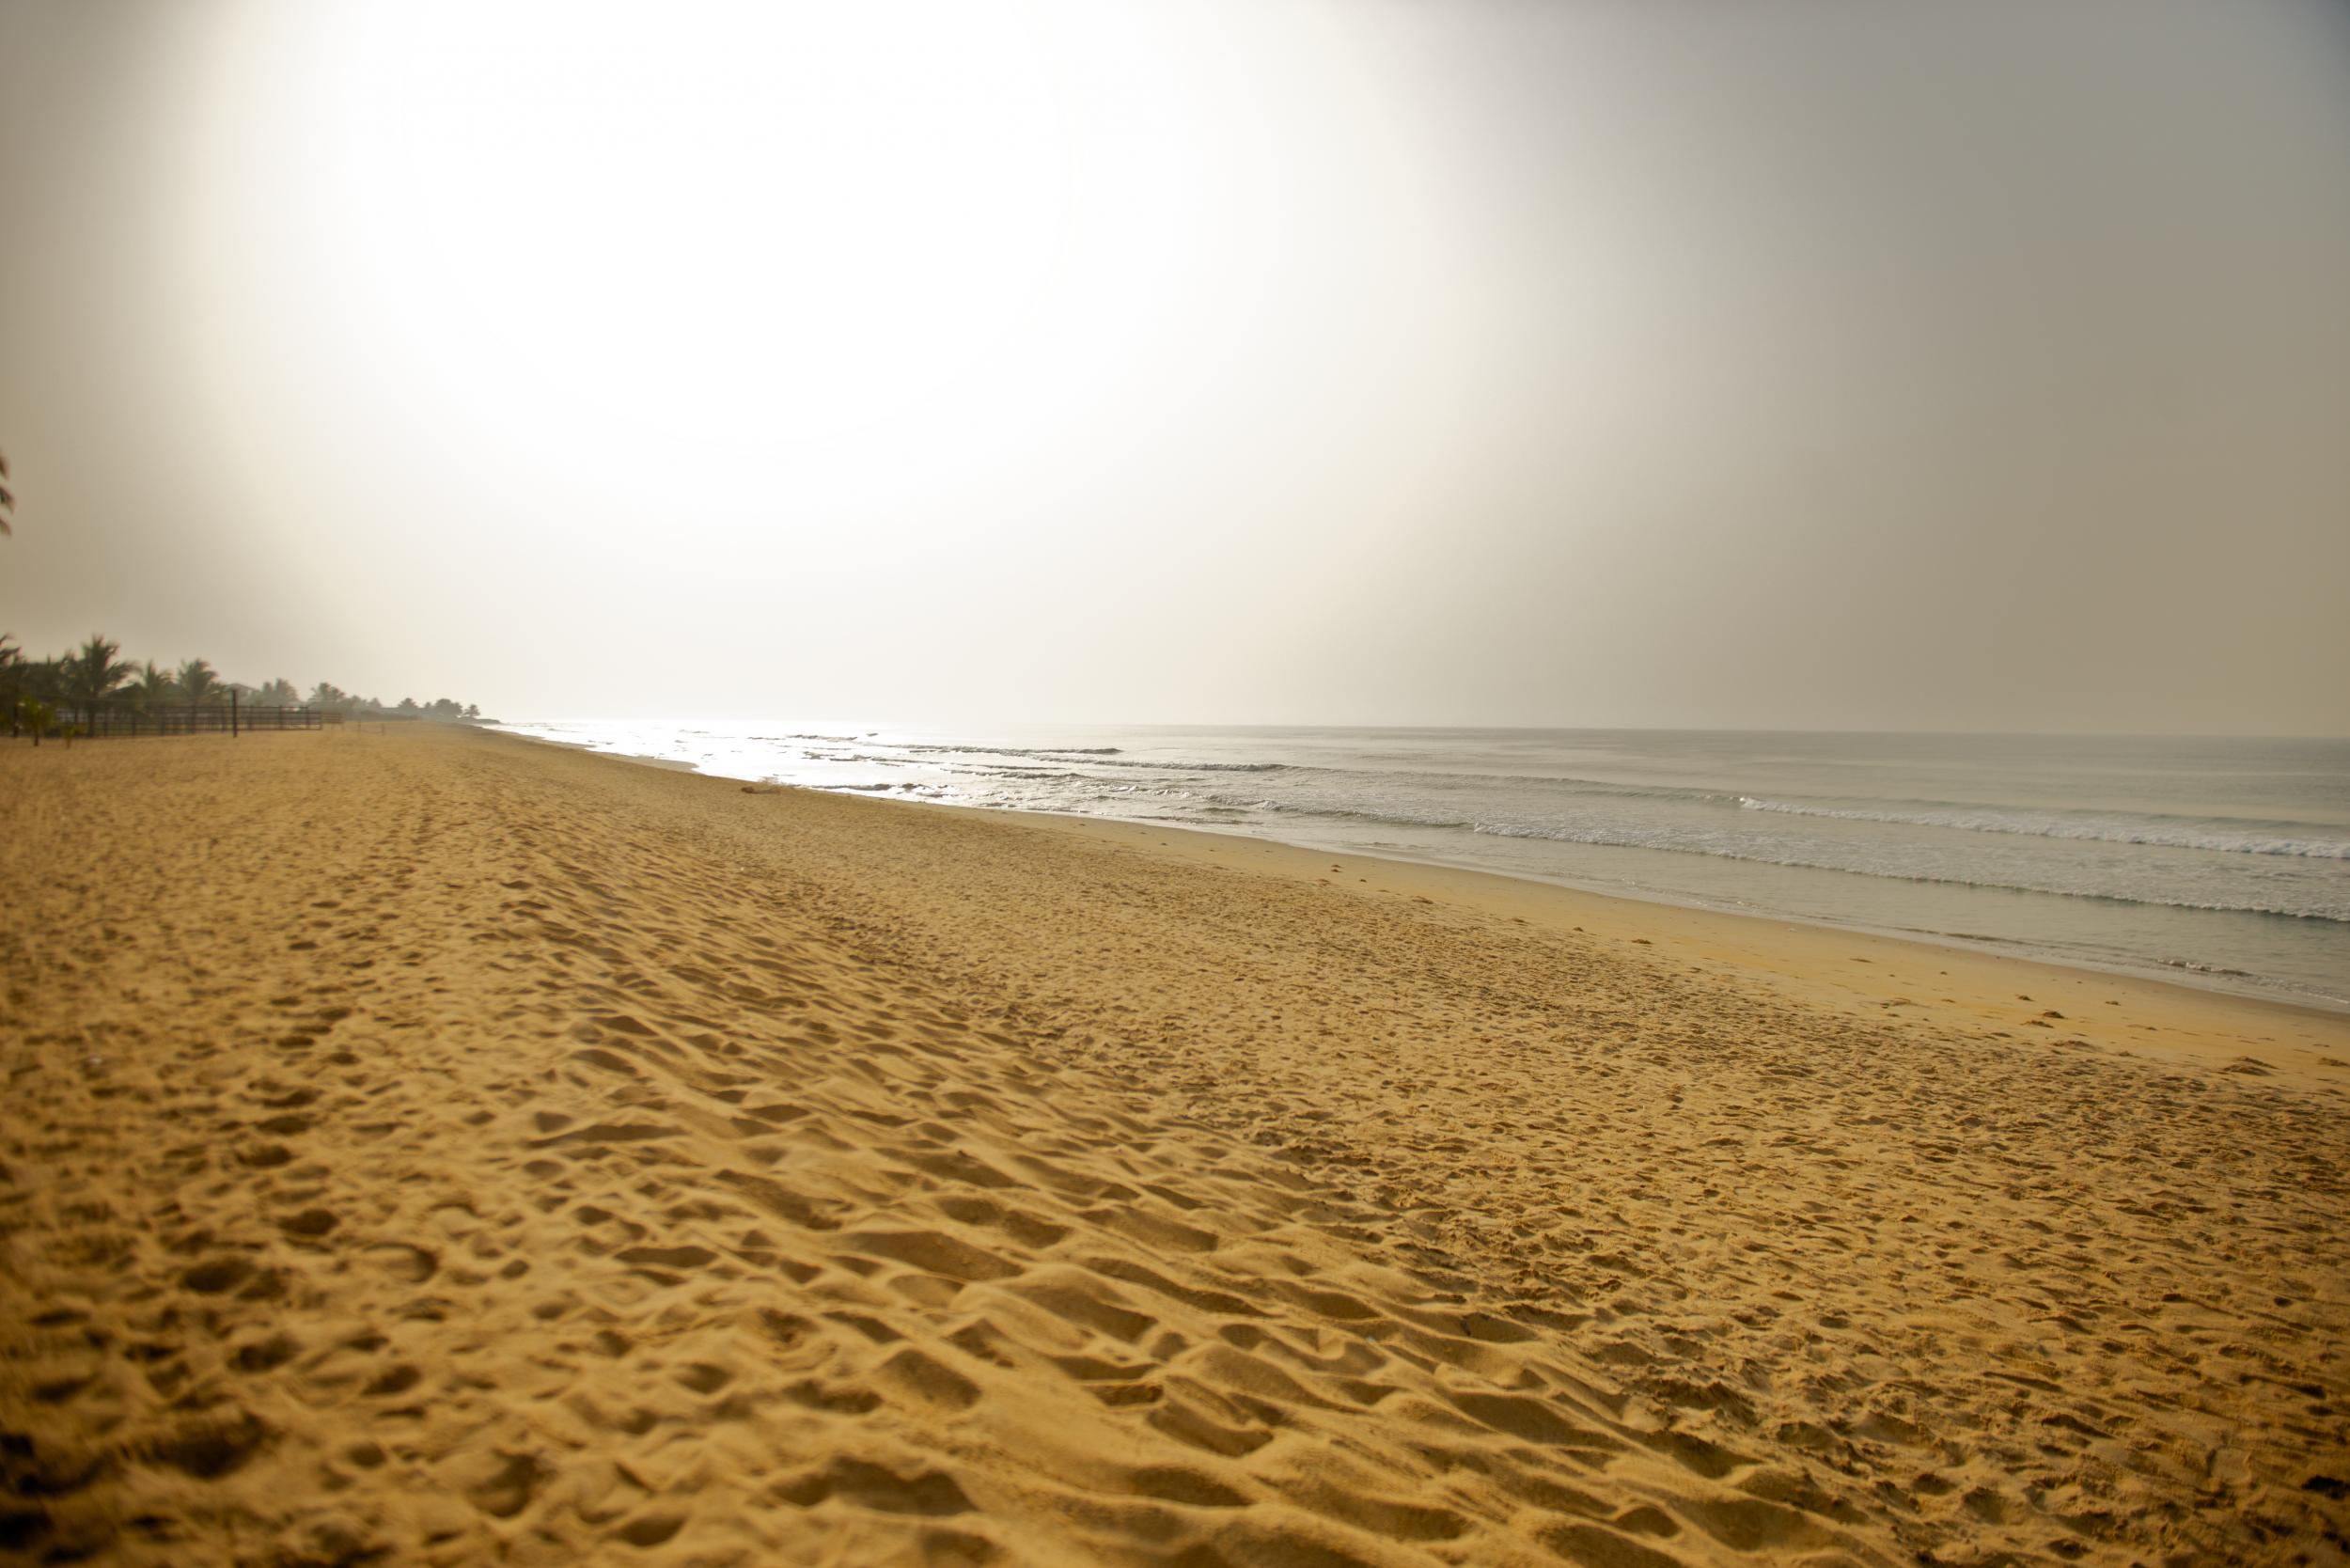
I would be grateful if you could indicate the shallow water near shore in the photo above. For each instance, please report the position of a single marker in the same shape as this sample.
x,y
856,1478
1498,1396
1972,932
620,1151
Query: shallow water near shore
x,y
2223,862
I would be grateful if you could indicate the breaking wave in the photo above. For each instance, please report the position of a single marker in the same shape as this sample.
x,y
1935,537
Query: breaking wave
x,y
2170,832
943,750
1626,835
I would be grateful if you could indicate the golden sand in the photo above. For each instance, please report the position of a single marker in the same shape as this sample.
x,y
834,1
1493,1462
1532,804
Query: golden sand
x,y
436,1148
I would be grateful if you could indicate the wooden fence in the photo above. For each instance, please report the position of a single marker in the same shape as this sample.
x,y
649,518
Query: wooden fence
x,y
229,717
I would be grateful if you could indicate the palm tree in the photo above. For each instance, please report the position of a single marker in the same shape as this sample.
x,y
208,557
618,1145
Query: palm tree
x,y
8,502
46,679
200,681
280,693
96,673
151,686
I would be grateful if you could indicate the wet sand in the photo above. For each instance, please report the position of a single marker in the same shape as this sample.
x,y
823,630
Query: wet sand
x,y
430,1146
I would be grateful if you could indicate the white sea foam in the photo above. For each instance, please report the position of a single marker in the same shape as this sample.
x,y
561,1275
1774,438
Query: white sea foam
x,y
2173,833
955,750
2327,900
2025,838
2340,914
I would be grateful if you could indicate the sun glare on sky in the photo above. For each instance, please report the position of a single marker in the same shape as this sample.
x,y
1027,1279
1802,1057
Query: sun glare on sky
x,y
843,268
1199,359
735,234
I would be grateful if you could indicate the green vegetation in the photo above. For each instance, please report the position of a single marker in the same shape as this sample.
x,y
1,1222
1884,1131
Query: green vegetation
x,y
62,696
199,682
93,672
41,696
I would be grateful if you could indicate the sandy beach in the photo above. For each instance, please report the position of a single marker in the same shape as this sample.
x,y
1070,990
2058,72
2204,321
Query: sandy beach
x,y
433,1147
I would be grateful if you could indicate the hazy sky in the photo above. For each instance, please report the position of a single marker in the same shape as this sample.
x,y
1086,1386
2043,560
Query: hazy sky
x,y
1843,365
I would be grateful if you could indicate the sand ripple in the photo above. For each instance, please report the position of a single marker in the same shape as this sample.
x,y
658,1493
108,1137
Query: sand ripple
x,y
429,1148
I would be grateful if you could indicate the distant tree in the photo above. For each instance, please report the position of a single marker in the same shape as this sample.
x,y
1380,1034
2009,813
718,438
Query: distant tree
x,y
200,681
327,695
30,681
7,500
408,705
95,672
151,686
280,693
473,713
11,682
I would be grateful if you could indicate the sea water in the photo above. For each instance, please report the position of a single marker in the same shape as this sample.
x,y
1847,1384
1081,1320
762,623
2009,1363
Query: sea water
x,y
2220,861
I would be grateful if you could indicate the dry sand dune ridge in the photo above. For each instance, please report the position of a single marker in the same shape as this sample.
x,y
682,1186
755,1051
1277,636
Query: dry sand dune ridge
x,y
430,1146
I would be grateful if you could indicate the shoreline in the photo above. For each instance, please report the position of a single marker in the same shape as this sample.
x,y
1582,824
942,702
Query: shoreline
x,y
2059,973
542,1158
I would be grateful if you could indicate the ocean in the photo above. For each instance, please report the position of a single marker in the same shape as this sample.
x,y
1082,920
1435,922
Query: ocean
x,y
2219,862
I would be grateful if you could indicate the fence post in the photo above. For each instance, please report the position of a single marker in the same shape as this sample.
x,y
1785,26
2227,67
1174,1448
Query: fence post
x,y
232,712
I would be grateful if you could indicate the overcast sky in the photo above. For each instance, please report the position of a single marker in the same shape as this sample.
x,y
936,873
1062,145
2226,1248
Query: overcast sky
x,y
1760,365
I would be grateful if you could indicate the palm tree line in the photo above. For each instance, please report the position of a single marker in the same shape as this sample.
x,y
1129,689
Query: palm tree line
x,y
35,692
